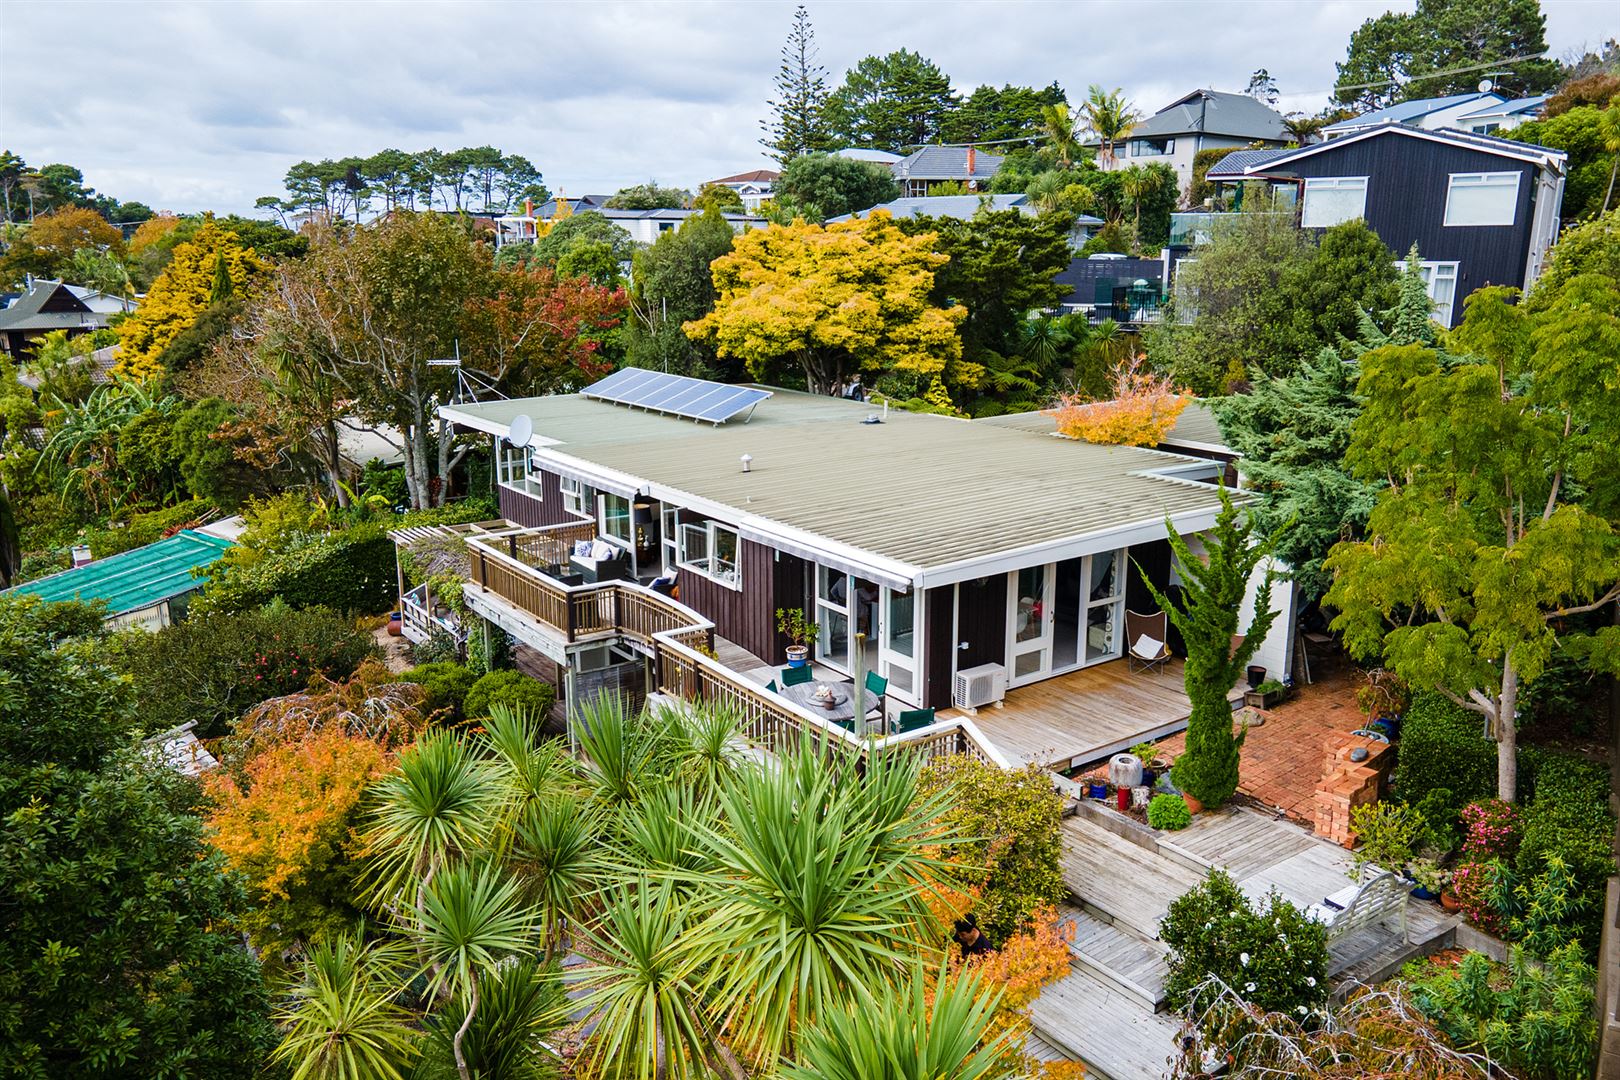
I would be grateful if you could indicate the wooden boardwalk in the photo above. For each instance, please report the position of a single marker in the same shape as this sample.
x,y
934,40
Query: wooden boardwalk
x,y
1128,884
1095,1022
1087,715
1115,954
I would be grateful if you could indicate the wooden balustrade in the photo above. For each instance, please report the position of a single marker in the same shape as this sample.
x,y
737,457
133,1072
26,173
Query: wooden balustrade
x,y
681,643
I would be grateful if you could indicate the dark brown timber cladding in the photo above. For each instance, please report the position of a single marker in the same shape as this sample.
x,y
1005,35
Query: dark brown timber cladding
x,y
939,648
532,512
746,616
982,621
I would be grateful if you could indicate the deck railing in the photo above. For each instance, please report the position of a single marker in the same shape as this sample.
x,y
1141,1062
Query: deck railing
x,y
681,644
419,623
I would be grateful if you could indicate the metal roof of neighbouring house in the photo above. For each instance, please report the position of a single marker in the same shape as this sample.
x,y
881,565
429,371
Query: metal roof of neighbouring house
x,y
1543,156
1214,112
135,579
932,497
1233,164
1525,106
946,163
963,207
1409,112
49,305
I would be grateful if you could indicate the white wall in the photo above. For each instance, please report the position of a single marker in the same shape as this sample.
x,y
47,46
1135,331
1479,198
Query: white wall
x,y
1276,652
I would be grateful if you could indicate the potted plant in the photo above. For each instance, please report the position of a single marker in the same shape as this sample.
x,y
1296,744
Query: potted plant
x,y
1151,765
798,629
1428,880
1267,695
1383,696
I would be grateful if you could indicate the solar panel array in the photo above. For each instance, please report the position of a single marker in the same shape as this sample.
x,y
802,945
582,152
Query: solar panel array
x,y
677,395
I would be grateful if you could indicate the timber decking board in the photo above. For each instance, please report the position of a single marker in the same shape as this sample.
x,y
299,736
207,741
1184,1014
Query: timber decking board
x,y
1110,1031
1129,884
1086,715
1241,841
1116,955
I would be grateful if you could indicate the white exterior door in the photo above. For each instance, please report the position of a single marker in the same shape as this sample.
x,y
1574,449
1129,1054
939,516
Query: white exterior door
x,y
1065,615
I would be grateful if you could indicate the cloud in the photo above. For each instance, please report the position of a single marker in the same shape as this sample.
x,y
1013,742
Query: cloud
x,y
191,106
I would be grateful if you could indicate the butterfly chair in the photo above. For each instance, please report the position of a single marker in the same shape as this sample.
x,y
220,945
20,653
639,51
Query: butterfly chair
x,y
877,687
1145,636
771,686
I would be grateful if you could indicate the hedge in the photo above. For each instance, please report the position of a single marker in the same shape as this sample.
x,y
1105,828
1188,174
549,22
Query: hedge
x,y
508,688
1569,816
447,686
1442,746
351,571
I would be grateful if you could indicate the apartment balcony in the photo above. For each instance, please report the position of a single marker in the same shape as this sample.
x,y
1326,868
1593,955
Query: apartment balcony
x,y
1197,228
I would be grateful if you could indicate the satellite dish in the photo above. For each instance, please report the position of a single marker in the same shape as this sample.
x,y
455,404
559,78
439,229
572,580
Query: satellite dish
x,y
1485,86
521,431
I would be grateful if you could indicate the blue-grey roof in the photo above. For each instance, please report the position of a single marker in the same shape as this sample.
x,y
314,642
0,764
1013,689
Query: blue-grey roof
x,y
1214,112
1543,156
1232,165
958,206
946,163
1407,112
1516,107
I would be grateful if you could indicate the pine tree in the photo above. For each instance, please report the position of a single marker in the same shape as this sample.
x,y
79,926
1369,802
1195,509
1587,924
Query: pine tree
x,y
801,93
1206,613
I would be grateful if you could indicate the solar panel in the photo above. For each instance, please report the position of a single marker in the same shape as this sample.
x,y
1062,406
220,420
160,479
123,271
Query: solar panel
x,y
676,395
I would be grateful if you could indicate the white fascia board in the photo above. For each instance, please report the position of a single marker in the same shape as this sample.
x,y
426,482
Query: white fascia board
x,y
1139,532
488,426
806,544
599,476
1536,155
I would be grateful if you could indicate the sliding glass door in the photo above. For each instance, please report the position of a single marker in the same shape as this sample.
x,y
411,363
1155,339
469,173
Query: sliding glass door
x,y
1064,615
847,605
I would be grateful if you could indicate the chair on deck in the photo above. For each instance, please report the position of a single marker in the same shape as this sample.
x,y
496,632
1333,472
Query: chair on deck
x,y
797,676
1145,636
876,687
771,686
912,719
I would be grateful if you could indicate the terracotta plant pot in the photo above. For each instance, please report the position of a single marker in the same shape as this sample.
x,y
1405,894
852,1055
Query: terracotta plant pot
x,y
396,626
1449,901
1193,805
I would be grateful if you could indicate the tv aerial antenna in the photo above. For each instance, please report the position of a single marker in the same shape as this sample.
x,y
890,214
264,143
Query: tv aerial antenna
x,y
469,384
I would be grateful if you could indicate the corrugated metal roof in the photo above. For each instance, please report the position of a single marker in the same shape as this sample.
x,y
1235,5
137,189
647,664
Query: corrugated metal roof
x,y
1233,164
1509,108
135,579
1407,111
920,490
963,207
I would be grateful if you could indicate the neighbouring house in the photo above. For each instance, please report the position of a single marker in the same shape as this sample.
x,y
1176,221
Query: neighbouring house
x,y
857,153
959,560
925,169
100,363
1504,117
146,587
644,226
1430,114
46,306
1128,291
964,207
1481,210
753,187
106,303
1202,120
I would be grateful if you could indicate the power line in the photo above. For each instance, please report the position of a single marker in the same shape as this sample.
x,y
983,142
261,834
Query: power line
x,y
1428,74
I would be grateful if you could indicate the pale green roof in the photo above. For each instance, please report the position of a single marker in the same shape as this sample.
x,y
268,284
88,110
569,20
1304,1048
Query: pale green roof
x,y
134,579
925,491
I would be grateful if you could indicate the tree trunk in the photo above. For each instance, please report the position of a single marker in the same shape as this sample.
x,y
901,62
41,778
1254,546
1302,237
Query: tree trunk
x,y
334,464
1507,733
1610,193
461,1032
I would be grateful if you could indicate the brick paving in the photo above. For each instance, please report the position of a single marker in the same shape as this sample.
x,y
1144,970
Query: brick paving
x,y
1283,758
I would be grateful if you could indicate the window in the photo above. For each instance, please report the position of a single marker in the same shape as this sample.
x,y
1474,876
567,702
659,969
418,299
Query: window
x,y
578,498
1484,129
1440,278
616,518
1152,147
671,537
517,472
1482,198
710,549
1330,200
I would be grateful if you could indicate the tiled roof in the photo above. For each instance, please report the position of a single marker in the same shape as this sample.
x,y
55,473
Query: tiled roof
x,y
758,176
946,163
134,579
1214,112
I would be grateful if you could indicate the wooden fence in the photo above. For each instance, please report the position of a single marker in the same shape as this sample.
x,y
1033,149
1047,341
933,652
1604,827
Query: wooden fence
x,y
681,643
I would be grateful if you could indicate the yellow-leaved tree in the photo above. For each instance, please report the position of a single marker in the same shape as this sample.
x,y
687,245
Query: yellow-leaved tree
x,y
837,300
205,269
1141,412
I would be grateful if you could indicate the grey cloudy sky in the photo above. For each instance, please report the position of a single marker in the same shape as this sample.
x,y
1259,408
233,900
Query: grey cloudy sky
x,y
190,106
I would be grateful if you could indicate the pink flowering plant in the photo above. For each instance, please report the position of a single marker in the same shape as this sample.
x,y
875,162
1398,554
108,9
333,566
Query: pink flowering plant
x,y
1490,830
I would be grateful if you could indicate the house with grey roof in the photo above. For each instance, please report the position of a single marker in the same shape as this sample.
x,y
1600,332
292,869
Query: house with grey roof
x,y
965,207
1430,114
930,166
1201,120
47,306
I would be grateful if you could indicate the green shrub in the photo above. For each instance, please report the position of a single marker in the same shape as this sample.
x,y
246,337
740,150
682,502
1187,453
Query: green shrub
x,y
1535,1020
351,571
1554,911
439,648
1015,817
489,648
508,688
1169,812
447,685
478,508
212,667
1568,819
1439,810
1442,746
1271,956
1388,835
145,528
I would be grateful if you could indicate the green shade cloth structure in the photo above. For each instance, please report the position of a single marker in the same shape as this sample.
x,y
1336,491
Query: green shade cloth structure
x,y
135,579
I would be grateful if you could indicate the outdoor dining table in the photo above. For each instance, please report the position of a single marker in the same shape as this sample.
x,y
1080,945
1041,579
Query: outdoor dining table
x,y
839,706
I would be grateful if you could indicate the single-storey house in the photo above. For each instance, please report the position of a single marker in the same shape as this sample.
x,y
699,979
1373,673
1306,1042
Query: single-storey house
x,y
1482,210
1201,120
930,166
146,587
956,559
1430,114
47,306
644,226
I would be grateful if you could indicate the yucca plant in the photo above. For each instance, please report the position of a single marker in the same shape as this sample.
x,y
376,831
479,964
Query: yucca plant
x,y
342,1021
907,1038
468,919
650,1013
623,755
524,766
708,740
663,836
556,855
522,1003
432,810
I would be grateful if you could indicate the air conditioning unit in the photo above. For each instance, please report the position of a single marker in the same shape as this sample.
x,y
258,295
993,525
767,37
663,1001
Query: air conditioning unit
x,y
978,686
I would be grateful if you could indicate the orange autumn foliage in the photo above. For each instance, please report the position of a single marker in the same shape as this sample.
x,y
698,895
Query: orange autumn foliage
x,y
1141,411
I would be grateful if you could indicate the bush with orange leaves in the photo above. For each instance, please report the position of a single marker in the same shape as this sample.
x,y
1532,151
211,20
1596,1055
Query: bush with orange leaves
x,y
1141,411
288,824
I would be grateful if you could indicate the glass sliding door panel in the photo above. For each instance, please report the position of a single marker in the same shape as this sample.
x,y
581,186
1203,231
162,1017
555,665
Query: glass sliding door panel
x,y
899,619
1068,607
1029,611
832,615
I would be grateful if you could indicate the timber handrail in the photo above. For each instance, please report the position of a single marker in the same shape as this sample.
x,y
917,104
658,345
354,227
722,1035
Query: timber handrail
x,y
681,643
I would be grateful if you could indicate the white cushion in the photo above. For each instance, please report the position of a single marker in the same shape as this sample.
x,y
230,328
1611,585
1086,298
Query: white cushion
x,y
601,550
582,548
1147,647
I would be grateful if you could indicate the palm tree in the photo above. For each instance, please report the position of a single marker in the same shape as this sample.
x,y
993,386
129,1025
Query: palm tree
x,y
1109,117
523,1002
1139,184
467,920
1301,129
555,855
1059,128
910,1039
341,1021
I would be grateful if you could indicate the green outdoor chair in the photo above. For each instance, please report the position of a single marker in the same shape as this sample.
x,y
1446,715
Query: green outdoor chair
x,y
794,676
912,719
771,686
876,687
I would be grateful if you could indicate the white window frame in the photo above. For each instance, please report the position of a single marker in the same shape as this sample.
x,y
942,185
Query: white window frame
x,y
710,565
1140,141
514,470
1433,273
627,540
574,499
1331,183
1480,180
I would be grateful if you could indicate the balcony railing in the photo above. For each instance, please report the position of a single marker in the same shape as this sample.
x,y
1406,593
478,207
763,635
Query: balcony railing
x,y
681,644
1196,228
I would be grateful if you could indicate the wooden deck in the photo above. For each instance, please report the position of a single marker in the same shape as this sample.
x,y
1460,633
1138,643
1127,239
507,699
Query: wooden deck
x,y
1087,715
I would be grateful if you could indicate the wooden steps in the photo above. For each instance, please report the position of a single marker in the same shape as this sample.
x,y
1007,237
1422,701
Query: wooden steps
x,y
1124,883
1095,1022
1133,964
